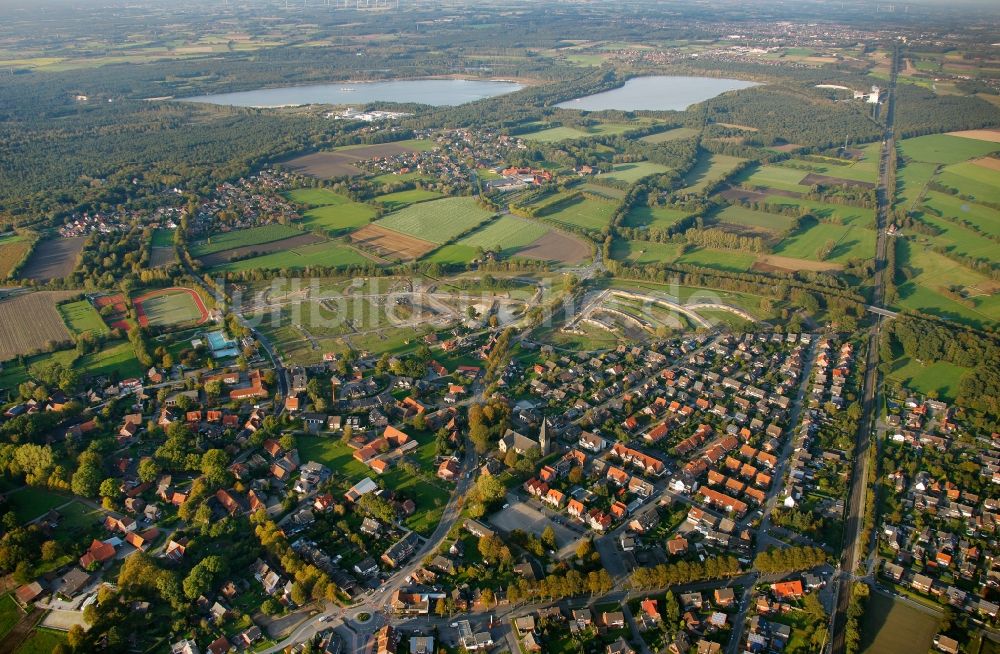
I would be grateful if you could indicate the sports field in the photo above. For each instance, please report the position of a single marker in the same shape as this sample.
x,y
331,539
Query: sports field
x,y
81,316
583,212
327,254
170,306
330,211
737,215
655,217
437,221
162,238
631,173
709,168
505,235
400,199
243,238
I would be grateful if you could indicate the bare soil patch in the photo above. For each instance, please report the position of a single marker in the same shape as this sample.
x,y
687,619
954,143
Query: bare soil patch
x,y
774,263
992,163
218,258
826,180
340,163
29,321
53,258
556,246
737,194
159,257
391,245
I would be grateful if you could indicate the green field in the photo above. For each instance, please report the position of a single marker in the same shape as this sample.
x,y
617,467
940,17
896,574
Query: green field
x,y
644,252
851,242
398,200
960,239
419,145
505,235
13,248
565,132
243,238
984,218
118,358
631,173
671,135
972,180
453,253
583,212
858,171
395,178
945,149
438,221
737,215
170,308
709,168
29,502
330,212
890,627
10,614
732,260
911,179
41,641
940,377
329,254
655,217
163,238
785,179
81,316
933,272
823,211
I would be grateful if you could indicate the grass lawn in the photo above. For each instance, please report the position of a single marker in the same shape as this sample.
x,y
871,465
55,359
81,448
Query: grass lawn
x,y
737,215
10,614
973,180
334,454
81,316
785,179
945,149
41,641
118,358
960,239
851,242
720,259
583,212
163,238
888,627
400,199
940,376
437,221
824,211
330,211
655,217
986,219
506,235
644,252
453,253
633,172
329,254
243,238
671,135
29,503
709,168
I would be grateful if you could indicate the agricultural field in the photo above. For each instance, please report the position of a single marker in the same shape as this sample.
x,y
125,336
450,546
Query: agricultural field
x,y
654,217
505,235
849,242
329,211
304,239
169,307
438,221
889,626
558,247
773,176
675,134
731,260
391,244
945,149
81,316
30,322
985,219
52,258
340,162
976,179
561,132
399,199
327,254
13,248
736,215
243,238
582,212
630,173
708,169
931,273
452,254
644,253
838,213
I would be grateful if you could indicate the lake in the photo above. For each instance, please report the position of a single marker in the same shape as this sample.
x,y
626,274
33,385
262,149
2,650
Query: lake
x,y
657,93
435,92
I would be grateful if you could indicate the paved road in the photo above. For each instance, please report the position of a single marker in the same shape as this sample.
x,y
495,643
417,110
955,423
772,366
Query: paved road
x,y
854,538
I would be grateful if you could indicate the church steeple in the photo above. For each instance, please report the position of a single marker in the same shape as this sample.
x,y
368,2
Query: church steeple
x,y
543,439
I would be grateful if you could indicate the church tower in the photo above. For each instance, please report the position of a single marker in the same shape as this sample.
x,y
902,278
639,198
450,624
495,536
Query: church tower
x,y
543,440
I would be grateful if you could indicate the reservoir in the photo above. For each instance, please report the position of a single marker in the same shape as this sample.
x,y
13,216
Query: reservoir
x,y
436,92
657,93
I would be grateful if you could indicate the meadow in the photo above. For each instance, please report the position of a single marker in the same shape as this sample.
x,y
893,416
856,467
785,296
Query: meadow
x,y
931,272
631,173
329,211
329,254
709,168
939,377
505,235
400,199
824,211
162,238
564,132
583,212
911,179
986,219
644,252
778,177
13,248
945,149
655,217
437,221
737,215
731,260
115,358
671,135
81,316
850,242
453,253
243,238
973,180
